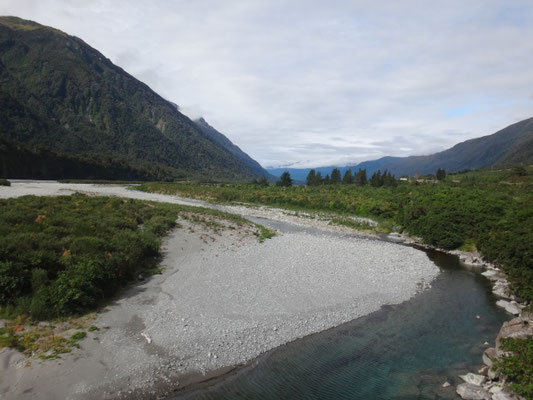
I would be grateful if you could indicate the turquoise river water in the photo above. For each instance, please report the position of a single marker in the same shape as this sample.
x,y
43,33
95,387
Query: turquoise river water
x,y
401,352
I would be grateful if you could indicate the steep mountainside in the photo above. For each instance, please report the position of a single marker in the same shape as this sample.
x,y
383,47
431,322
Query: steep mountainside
x,y
221,140
511,145
59,94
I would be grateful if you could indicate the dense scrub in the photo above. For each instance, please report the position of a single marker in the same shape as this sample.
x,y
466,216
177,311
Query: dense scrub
x,y
517,365
4,182
488,210
63,255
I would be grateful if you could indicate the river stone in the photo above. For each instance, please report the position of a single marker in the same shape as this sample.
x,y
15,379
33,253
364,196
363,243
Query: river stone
x,y
493,374
496,388
473,378
517,328
467,391
493,275
488,355
502,396
510,307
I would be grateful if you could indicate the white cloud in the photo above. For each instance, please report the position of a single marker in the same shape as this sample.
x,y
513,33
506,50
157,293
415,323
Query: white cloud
x,y
319,82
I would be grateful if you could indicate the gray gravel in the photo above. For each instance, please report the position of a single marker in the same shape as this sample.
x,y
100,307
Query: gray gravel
x,y
222,303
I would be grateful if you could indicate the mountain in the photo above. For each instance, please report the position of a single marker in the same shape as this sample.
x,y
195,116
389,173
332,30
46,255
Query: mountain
x,y
511,145
64,101
221,140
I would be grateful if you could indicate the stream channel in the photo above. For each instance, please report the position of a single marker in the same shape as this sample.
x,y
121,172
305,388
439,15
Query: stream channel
x,y
400,352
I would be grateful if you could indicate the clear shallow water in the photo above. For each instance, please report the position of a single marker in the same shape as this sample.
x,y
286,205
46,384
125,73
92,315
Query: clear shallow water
x,y
399,352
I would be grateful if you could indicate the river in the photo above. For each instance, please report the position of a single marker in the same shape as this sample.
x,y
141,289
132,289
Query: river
x,y
402,352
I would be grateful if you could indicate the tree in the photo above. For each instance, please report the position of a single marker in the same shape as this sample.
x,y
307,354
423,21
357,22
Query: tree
x,y
327,181
318,178
347,179
388,179
263,181
376,180
285,179
335,176
441,174
311,178
360,177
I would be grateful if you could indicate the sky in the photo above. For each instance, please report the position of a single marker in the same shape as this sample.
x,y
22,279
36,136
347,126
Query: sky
x,y
307,83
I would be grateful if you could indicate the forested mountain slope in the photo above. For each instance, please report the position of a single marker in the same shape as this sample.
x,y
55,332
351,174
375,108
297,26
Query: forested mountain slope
x,y
59,94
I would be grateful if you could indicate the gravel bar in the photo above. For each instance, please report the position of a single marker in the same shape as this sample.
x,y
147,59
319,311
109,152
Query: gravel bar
x,y
221,301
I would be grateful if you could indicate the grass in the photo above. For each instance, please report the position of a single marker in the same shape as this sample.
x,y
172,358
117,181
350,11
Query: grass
x,y
4,182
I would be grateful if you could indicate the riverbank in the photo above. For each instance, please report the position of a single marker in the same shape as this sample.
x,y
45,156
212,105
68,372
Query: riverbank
x,y
222,300
486,383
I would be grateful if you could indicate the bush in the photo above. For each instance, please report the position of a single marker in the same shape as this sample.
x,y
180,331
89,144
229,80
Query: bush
x,y
4,182
517,365
61,256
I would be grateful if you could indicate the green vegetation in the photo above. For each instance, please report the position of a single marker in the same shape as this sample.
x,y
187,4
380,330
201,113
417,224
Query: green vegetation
x,y
45,340
4,182
65,255
487,210
285,180
517,365
359,178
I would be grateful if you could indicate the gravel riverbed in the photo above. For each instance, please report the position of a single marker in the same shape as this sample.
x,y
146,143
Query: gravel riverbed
x,y
222,300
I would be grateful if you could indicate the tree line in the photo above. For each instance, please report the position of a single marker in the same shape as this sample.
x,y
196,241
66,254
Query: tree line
x,y
359,178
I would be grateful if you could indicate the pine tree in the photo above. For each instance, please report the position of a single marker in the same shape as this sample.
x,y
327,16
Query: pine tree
x,y
441,174
335,176
360,177
311,178
318,178
285,179
327,181
347,179
376,180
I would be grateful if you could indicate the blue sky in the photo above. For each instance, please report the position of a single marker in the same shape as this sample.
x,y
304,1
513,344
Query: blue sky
x,y
314,83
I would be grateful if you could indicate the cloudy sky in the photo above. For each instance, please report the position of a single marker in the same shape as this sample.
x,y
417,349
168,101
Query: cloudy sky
x,y
319,82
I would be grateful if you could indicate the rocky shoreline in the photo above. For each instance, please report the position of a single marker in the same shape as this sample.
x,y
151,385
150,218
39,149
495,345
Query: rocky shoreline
x,y
487,384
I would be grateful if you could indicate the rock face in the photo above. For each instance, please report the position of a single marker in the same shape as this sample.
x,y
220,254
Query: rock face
x,y
468,391
517,328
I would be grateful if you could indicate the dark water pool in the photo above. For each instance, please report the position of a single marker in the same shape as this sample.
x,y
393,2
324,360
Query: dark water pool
x,y
402,352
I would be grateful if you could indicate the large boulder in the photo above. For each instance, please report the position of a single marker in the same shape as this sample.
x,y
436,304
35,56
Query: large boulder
x,y
467,391
517,328
494,275
511,307
489,355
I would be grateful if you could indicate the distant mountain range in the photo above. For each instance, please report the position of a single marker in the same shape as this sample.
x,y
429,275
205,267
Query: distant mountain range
x,y
511,145
66,111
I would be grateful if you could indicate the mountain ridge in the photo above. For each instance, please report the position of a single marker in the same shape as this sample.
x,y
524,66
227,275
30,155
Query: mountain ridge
x,y
510,145
58,92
